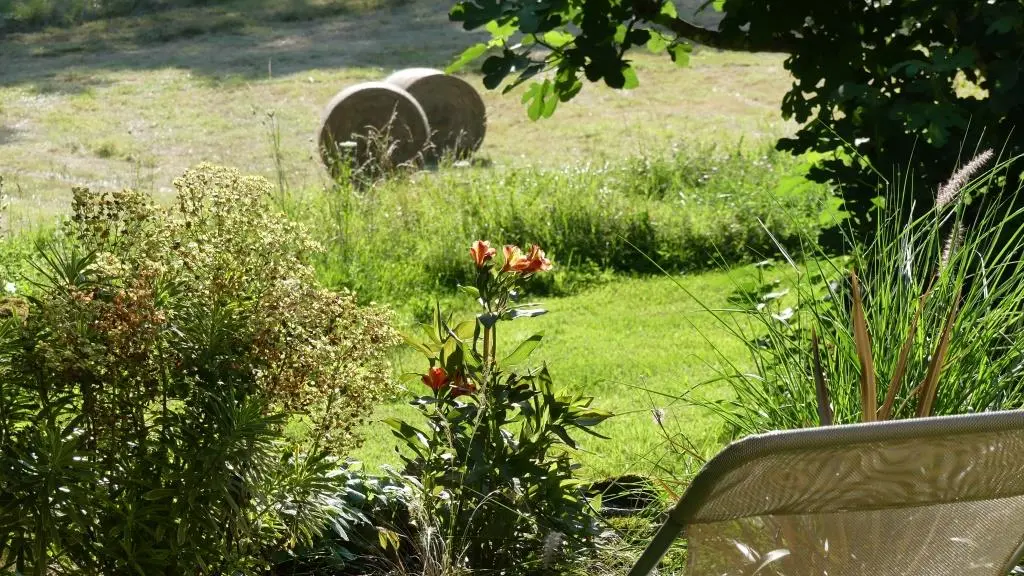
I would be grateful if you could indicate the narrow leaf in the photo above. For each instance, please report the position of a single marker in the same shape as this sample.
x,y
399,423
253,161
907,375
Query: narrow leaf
x,y
931,380
410,377
522,352
160,494
862,342
821,391
416,344
901,364
471,291
664,486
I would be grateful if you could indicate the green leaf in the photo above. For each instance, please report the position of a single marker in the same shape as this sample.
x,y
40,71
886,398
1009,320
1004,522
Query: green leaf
x,y
620,34
471,291
160,494
496,68
657,43
591,417
558,38
529,72
418,345
629,73
550,101
669,9
410,378
638,37
464,330
524,313
528,20
535,96
680,53
1002,25
407,432
522,352
468,55
500,31
561,433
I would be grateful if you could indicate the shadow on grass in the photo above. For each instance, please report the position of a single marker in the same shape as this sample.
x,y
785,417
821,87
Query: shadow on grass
x,y
239,38
234,41
7,134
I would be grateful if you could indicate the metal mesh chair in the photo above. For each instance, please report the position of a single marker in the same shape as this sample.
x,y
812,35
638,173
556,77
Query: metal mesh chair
x,y
926,497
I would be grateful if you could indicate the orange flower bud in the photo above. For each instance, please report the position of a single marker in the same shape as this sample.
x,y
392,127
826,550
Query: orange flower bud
x,y
435,378
481,252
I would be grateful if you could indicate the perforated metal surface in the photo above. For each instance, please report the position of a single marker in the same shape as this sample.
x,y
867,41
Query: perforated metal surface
x,y
928,497
960,539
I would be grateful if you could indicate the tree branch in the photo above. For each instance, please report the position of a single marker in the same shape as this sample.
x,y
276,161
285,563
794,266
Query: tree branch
x,y
716,39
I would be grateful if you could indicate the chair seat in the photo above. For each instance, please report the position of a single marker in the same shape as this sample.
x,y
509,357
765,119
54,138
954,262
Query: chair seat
x,y
925,497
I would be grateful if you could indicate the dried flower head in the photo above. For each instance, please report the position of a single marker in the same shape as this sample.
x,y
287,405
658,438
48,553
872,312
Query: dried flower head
x,y
949,192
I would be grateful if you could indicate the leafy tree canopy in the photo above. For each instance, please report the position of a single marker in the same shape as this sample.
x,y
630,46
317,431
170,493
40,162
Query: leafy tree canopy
x,y
878,84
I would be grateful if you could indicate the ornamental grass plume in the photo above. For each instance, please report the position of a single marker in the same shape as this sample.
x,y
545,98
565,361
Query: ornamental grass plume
x,y
949,192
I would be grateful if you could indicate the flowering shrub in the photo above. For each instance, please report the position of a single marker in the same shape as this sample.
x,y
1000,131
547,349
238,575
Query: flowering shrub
x,y
494,460
145,393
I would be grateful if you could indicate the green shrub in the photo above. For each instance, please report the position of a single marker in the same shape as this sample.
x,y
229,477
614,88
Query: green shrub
x,y
493,464
145,390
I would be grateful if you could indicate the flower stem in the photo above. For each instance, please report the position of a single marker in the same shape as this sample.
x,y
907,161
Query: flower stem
x,y
487,348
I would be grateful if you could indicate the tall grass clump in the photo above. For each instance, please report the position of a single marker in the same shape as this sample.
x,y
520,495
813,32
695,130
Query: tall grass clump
x,y
924,320
687,210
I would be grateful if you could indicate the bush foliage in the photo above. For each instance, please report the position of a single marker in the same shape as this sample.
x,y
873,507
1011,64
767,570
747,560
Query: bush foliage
x,y
149,376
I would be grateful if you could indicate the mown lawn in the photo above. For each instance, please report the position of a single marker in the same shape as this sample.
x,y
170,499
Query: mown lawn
x,y
636,345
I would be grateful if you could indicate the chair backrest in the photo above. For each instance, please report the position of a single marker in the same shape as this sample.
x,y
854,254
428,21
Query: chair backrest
x,y
925,497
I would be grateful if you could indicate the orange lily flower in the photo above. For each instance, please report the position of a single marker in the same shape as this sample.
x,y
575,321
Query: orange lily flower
x,y
481,252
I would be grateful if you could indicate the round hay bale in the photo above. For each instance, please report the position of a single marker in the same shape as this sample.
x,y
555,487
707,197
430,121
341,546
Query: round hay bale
x,y
374,124
454,108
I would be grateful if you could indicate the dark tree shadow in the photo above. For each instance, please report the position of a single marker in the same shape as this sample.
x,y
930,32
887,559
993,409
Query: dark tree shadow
x,y
220,42
217,43
7,135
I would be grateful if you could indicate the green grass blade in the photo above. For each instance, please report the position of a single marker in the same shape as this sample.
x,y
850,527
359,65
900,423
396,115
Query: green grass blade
x,y
931,381
821,390
862,342
901,364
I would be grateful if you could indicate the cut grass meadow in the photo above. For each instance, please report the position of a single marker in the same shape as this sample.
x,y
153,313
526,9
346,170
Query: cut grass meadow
x,y
680,168
110,104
